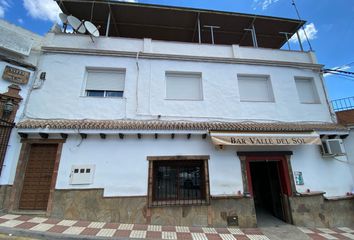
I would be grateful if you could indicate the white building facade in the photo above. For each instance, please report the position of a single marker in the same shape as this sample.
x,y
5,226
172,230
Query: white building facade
x,y
171,132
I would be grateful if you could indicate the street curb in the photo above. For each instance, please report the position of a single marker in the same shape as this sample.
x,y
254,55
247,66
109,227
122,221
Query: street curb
x,y
52,236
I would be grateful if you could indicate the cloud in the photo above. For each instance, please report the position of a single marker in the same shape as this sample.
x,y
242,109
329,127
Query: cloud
x,y
264,4
4,5
311,33
343,68
20,21
47,10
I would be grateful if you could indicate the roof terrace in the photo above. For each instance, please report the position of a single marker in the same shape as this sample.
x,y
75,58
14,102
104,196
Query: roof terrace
x,y
136,20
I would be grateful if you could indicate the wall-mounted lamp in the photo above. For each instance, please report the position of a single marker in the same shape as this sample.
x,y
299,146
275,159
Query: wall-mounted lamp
x,y
8,108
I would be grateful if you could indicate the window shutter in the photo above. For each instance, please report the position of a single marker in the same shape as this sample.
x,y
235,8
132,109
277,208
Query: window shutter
x,y
306,90
184,86
255,88
105,80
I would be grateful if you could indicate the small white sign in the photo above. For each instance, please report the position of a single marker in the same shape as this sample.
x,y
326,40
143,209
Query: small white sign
x,y
299,180
82,174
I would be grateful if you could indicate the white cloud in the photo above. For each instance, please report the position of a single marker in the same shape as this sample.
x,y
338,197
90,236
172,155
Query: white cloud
x,y
20,21
47,10
4,5
264,4
42,9
311,33
343,68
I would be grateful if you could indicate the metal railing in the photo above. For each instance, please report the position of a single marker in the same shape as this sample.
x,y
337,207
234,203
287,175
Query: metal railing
x,y
176,184
343,104
5,131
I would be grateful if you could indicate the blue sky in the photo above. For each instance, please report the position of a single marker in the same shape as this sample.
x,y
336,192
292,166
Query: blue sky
x,y
330,26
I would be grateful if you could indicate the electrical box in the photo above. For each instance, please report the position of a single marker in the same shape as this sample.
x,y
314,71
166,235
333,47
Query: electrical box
x,y
82,174
333,147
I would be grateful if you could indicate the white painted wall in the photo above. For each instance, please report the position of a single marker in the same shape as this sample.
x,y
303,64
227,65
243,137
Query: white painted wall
x,y
62,93
331,175
118,44
122,168
14,146
349,148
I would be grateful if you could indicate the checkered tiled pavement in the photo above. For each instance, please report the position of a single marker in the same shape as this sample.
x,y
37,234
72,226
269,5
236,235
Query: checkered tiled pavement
x,y
139,231
326,233
135,231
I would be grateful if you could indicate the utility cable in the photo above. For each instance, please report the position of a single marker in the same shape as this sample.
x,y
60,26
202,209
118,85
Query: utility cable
x,y
351,78
337,70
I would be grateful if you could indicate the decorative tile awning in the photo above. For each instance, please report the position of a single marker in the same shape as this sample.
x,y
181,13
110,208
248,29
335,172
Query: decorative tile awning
x,y
179,125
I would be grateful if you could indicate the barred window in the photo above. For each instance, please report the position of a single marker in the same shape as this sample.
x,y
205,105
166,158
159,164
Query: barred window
x,y
178,182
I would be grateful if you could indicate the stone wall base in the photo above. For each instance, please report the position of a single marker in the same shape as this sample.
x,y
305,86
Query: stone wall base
x,y
5,193
316,211
92,206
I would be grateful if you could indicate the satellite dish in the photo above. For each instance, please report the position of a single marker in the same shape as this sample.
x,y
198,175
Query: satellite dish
x,y
76,24
63,17
92,29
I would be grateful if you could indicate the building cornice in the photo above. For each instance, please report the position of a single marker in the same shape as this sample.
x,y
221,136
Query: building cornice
x,y
158,56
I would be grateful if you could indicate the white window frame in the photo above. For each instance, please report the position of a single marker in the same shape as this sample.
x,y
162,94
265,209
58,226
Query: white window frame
x,y
314,88
269,83
108,69
185,73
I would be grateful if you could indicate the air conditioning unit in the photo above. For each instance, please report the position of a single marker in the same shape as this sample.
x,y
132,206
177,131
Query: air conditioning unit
x,y
333,147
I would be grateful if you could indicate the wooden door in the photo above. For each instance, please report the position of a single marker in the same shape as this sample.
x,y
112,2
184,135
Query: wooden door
x,y
38,177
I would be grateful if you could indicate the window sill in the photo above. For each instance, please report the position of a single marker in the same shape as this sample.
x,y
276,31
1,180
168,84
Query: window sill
x,y
310,103
179,203
176,99
118,98
256,101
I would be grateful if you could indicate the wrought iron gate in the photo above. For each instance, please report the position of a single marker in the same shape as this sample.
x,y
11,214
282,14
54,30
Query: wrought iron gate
x,y
5,132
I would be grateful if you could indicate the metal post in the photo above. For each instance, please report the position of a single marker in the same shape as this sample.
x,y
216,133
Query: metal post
x,y
108,22
199,33
287,38
254,36
212,31
212,35
299,39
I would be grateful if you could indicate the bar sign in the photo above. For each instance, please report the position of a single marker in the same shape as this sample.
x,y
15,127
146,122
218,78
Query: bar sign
x,y
15,75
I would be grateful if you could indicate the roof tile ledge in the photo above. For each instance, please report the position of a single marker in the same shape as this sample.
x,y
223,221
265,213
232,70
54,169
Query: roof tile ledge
x,y
179,125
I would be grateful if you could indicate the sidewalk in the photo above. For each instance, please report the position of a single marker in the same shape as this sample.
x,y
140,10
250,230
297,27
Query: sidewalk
x,y
49,228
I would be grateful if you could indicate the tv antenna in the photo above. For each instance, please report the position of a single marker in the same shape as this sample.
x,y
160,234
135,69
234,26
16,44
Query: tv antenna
x,y
302,27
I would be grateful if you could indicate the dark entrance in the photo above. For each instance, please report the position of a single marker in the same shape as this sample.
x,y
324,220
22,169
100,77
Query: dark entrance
x,y
38,177
269,184
266,187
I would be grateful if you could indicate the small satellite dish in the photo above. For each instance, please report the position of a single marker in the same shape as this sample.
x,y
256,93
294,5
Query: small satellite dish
x,y
76,24
63,17
92,29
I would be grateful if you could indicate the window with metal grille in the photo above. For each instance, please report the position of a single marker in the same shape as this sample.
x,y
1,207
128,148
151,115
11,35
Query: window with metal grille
x,y
181,182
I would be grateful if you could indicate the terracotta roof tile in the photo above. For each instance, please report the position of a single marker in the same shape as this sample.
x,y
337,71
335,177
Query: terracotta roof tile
x,y
346,117
178,125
